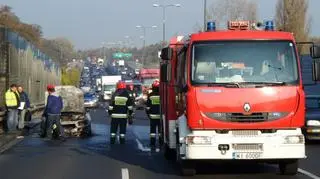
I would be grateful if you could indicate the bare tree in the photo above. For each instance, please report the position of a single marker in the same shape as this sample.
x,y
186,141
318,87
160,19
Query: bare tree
x,y
225,10
291,16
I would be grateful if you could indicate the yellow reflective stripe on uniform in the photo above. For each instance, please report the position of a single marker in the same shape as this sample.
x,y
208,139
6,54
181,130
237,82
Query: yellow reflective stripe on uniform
x,y
110,107
119,116
120,101
11,99
130,107
155,100
154,116
152,135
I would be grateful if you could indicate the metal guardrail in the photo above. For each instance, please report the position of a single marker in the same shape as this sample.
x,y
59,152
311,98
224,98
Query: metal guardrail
x,y
34,108
312,96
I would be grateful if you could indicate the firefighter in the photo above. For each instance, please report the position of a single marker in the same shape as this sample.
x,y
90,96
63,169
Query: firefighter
x,y
52,114
153,111
130,91
120,109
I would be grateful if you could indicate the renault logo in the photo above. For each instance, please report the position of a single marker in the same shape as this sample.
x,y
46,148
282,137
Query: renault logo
x,y
246,107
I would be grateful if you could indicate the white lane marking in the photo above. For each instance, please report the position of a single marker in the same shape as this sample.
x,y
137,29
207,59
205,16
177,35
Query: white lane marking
x,y
125,173
141,147
311,175
144,149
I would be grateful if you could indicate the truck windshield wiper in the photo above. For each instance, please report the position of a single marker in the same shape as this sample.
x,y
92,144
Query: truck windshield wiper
x,y
275,67
243,84
277,83
228,85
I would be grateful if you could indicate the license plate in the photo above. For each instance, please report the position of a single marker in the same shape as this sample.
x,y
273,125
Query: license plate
x,y
246,155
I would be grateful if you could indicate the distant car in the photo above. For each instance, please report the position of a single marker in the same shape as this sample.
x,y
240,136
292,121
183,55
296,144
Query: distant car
x,y
311,129
90,100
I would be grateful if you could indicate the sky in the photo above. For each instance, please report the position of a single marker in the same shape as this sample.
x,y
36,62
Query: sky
x,y
88,23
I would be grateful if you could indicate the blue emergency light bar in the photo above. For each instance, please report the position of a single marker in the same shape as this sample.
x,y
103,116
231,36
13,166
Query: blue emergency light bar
x,y
211,26
269,25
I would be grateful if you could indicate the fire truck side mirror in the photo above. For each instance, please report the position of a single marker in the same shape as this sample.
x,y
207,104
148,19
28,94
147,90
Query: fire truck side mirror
x,y
166,53
315,51
316,70
164,73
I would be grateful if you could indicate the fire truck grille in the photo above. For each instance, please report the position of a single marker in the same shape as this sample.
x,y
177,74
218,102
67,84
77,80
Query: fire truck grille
x,y
241,133
239,117
247,147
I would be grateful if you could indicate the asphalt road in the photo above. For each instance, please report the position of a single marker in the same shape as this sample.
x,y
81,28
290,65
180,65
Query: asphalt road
x,y
83,158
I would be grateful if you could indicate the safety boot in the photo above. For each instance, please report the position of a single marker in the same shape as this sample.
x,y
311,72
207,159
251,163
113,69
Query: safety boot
x,y
122,139
112,140
160,141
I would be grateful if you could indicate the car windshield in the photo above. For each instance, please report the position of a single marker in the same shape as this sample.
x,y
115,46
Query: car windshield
x,y
148,81
88,95
244,62
109,87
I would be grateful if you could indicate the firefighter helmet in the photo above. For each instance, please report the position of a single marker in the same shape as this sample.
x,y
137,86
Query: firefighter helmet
x,y
50,87
155,84
121,85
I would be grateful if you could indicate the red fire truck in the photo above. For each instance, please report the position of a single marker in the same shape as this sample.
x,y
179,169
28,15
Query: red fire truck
x,y
147,76
234,94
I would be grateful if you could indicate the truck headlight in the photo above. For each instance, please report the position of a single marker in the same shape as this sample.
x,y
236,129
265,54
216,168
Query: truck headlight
x,y
198,140
313,123
294,139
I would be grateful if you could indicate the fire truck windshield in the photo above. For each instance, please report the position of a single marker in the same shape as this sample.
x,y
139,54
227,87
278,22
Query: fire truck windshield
x,y
259,61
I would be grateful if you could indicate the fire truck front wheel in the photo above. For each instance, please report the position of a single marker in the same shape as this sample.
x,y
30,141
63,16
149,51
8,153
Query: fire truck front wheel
x,y
288,167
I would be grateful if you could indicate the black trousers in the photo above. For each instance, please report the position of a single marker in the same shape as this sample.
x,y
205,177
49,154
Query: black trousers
x,y
117,122
154,125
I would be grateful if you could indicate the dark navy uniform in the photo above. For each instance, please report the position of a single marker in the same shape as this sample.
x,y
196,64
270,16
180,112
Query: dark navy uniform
x,y
153,111
119,109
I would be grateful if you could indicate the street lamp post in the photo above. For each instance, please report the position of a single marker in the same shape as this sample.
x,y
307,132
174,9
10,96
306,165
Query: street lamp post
x,y
164,17
130,41
103,50
144,37
204,15
144,32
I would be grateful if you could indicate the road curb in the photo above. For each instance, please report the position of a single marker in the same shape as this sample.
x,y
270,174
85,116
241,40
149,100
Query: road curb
x,y
8,140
